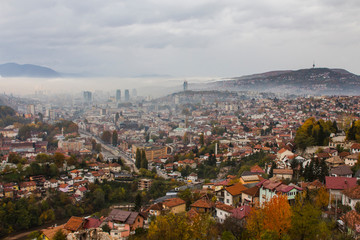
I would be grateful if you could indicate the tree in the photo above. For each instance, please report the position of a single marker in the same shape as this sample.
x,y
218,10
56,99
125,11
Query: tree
x,y
322,198
305,221
114,138
138,158
138,200
235,227
357,207
98,148
271,172
106,228
143,160
117,116
202,142
59,235
274,217
106,137
59,159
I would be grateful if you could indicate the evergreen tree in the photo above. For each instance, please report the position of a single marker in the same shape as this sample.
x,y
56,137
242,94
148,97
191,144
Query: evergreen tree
x,y
271,172
138,200
138,158
144,161
114,138
324,171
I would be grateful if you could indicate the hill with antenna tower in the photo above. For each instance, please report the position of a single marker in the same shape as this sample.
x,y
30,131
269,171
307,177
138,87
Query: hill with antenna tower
x,y
314,81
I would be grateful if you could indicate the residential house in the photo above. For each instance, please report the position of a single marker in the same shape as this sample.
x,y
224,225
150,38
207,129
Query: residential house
x,y
155,209
53,183
351,196
193,177
341,171
115,167
250,179
283,173
174,205
352,222
355,148
250,196
241,213
232,194
203,206
336,185
49,233
222,211
144,184
334,161
74,224
47,184
28,186
269,189
81,191
133,219
352,159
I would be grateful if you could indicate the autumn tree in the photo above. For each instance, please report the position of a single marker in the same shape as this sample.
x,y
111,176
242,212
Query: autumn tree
x,y
180,227
274,217
322,198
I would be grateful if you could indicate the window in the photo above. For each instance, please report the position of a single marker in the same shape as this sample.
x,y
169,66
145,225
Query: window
x,y
227,201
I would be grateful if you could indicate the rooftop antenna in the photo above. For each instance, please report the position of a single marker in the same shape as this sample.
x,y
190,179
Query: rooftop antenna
x,y
313,64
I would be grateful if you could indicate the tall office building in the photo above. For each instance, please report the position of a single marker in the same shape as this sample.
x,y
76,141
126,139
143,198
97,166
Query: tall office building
x,y
185,85
127,95
134,93
87,96
31,109
118,95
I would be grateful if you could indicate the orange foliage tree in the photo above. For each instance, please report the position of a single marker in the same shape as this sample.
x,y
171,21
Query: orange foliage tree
x,y
275,217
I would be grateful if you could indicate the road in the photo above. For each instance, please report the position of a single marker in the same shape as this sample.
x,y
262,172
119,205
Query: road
x,y
113,150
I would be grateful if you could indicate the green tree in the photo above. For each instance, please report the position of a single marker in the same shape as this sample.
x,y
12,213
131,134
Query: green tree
x,y
106,137
305,221
138,158
138,202
114,138
202,142
59,235
144,161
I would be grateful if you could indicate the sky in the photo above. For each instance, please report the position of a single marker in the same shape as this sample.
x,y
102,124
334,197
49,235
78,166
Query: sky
x,y
187,38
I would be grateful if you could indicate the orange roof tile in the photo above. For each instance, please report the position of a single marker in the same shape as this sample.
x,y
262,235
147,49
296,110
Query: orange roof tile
x,y
173,202
236,189
74,223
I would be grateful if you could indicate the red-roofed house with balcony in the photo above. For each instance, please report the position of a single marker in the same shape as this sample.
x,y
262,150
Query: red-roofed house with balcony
x,y
337,184
269,189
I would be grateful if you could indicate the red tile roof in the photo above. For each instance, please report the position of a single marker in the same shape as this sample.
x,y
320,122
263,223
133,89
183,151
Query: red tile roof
x,y
202,203
74,224
236,189
224,207
339,183
173,202
241,212
353,193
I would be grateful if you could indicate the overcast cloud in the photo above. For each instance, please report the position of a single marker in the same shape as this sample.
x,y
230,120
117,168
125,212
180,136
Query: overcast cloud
x,y
221,38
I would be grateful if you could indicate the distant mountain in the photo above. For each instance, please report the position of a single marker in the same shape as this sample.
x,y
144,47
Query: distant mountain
x,y
26,70
319,81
